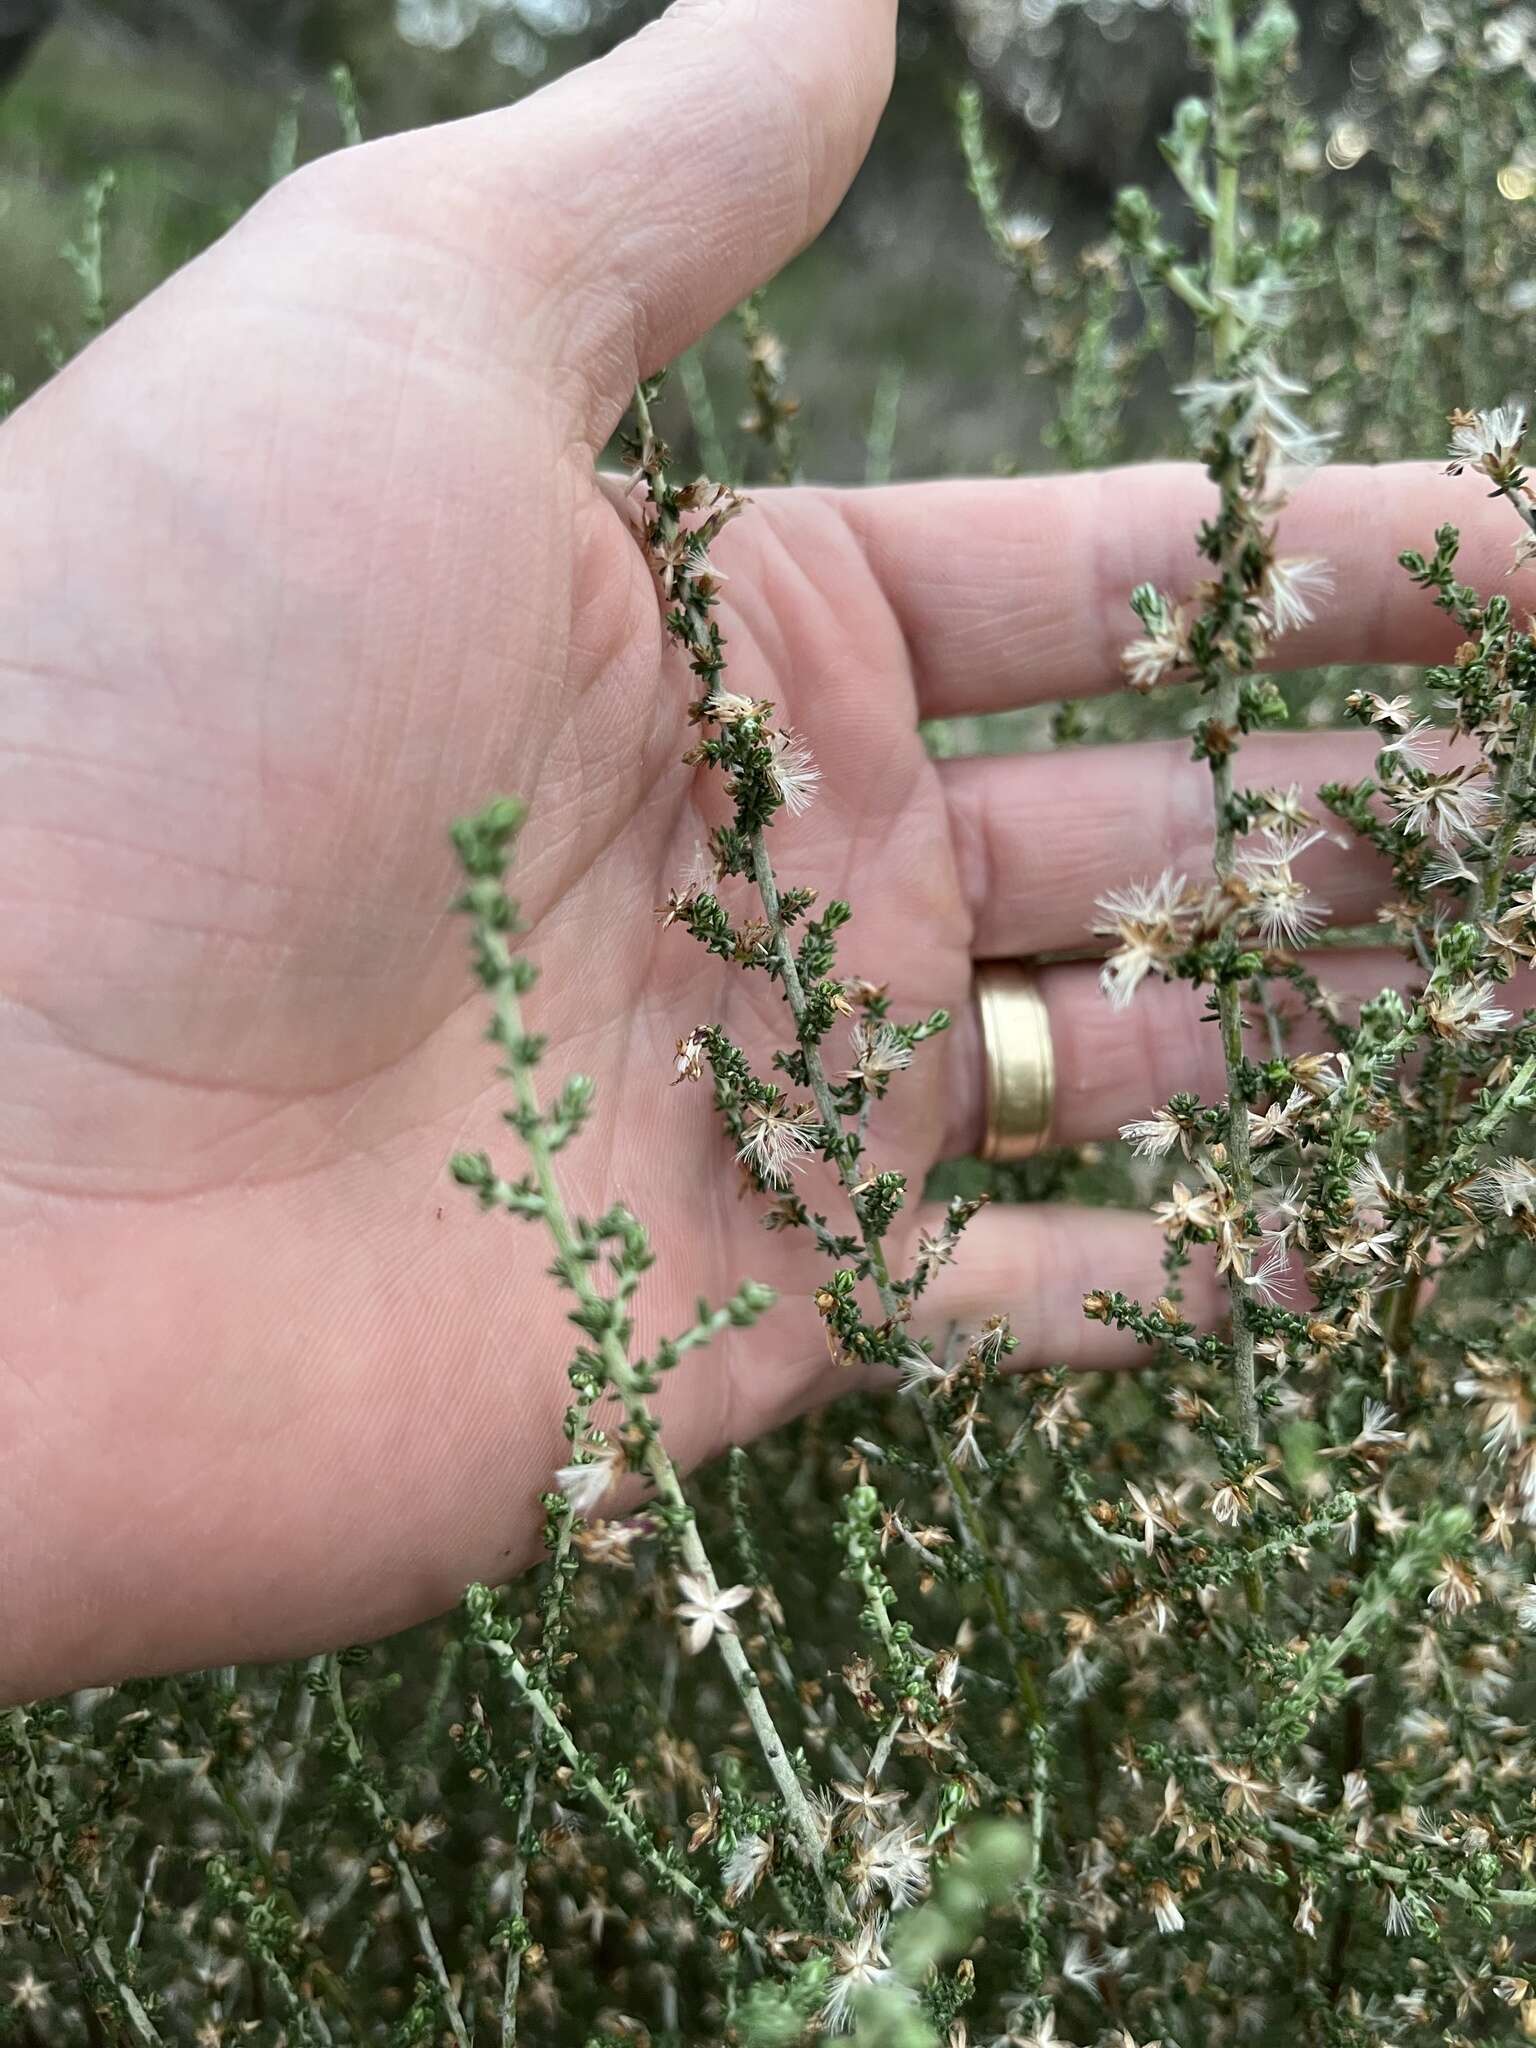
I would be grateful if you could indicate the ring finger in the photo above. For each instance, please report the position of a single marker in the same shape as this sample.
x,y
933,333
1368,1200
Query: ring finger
x,y
1039,838
1116,1065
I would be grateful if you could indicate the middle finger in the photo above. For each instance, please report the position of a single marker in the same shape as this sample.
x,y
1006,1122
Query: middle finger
x,y
1039,838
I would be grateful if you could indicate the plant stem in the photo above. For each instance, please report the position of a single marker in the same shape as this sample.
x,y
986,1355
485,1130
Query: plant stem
x,y
518,1876
815,1067
405,1875
656,1461
617,1818
94,1949
1226,335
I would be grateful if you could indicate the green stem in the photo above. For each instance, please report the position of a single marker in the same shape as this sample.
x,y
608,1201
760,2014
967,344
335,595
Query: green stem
x,y
518,1878
1226,335
405,1876
656,1460
815,1067
94,1951
558,1735
1512,776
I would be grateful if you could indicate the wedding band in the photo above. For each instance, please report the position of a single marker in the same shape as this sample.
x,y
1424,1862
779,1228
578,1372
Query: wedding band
x,y
1021,1065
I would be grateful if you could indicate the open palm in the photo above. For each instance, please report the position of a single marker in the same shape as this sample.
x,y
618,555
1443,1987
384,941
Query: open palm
x,y
309,555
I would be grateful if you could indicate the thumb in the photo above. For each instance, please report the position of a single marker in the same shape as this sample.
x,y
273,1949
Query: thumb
x,y
646,194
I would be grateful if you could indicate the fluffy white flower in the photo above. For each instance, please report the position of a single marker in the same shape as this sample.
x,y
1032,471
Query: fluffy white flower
x,y
1400,1918
1272,1279
745,1865
895,1863
1257,403
1465,1012
878,1050
1508,1185
1157,653
794,771
856,1965
1165,1908
585,1481
777,1145
1451,806
1293,591
1483,439
1150,920
1281,909
1411,749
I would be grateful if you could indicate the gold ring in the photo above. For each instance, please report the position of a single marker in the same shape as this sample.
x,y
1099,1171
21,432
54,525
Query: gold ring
x,y
1021,1064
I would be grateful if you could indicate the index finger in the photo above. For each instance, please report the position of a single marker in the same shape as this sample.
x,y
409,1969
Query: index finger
x,y
1011,593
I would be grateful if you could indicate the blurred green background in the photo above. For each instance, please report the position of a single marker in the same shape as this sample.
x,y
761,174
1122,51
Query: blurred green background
x,y
186,101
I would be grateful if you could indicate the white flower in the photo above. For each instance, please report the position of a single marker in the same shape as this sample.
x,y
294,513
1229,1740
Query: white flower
x,y
688,1063
1449,805
1374,1430
1024,231
1265,1126
991,1341
1156,1516
1410,749
1525,1608
965,1450
1158,652
1078,1675
1464,1013
1292,592
1356,1791
1271,1279
867,1806
705,1613
1042,2034
585,1481
917,1369
1509,1184
1357,1249
1284,1207
1282,909
1154,1137
895,1862
1400,1918
727,707
1080,1968
1369,1184
1485,440
745,1866
777,1145
1150,920
1388,712
701,876
1257,403
1456,1589
1503,1405
856,1965
1308,1919
1165,1908
794,772
1447,867
878,1049
29,1993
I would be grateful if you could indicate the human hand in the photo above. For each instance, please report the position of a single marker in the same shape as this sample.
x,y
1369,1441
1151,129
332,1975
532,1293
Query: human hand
x,y
310,554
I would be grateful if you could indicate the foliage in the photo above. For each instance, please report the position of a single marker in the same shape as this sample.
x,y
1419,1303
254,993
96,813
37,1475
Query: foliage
x,y
1180,1707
